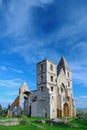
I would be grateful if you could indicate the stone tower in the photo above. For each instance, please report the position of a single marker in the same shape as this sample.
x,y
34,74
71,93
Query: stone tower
x,y
53,97
66,106
46,85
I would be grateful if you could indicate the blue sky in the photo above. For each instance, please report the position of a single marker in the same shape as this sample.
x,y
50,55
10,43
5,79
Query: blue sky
x,y
33,30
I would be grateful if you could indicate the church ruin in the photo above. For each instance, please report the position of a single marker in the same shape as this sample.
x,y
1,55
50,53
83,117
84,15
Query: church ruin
x,y
53,97
15,108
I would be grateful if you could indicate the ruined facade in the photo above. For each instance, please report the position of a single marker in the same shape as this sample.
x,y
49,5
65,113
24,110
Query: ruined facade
x,y
15,108
53,97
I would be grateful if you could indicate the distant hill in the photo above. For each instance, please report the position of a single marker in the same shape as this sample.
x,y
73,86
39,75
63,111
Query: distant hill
x,y
82,109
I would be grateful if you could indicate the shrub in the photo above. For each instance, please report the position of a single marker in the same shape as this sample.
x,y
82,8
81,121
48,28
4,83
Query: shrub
x,y
81,115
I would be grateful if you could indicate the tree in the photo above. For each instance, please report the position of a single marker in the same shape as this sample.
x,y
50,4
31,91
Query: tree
x,y
1,110
8,107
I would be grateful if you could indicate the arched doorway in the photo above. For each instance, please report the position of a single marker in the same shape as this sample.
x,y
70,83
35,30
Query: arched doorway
x,y
66,110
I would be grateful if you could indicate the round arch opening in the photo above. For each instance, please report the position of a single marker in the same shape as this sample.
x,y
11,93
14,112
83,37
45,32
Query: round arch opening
x,y
66,110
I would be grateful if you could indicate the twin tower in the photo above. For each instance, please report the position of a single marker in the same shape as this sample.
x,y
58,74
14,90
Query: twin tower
x,y
53,97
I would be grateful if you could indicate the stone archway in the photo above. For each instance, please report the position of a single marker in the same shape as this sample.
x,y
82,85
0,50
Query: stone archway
x,y
66,110
23,93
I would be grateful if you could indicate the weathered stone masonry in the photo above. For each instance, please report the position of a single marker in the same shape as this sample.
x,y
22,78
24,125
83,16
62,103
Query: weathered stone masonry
x,y
53,97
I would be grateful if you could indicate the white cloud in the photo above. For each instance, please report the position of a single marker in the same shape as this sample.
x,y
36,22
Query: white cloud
x,y
14,83
17,70
81,102
18,16
12,93
11,69
0,2
3,68
34,52
79,70
74,30
75,45
45,1
5,102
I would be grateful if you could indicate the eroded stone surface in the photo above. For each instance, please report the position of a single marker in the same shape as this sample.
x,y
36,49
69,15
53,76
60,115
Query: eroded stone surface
x,y
53,97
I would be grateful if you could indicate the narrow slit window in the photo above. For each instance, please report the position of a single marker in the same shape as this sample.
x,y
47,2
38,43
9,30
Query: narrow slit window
x,y
68,83
41,78
51,88
51,67
51,78
68,74
41,67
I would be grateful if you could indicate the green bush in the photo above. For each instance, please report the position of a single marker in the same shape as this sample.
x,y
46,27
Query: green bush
x,y
1,110
81,115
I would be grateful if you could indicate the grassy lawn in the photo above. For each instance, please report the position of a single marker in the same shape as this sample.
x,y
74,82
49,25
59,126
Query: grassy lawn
x,y
19,127
78,125
3,118
46,127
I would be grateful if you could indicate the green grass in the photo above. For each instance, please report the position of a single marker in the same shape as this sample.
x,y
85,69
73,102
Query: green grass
x,y
19,127
3,118
47,127
79,125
